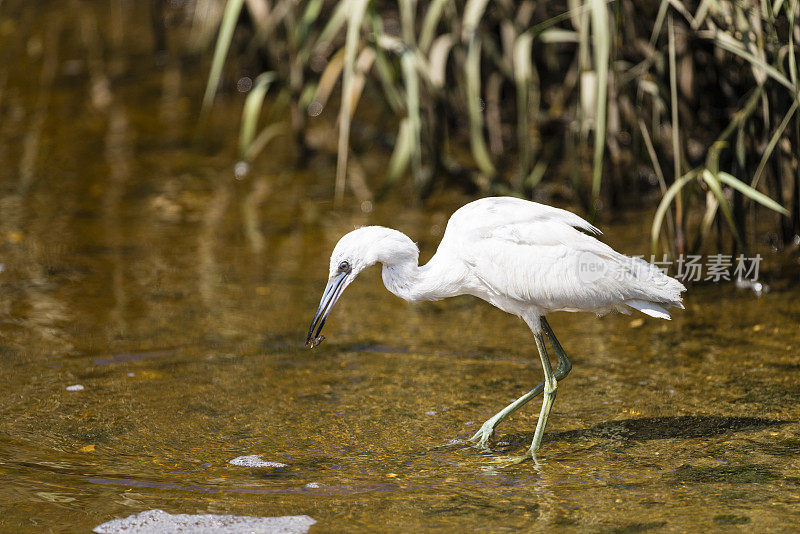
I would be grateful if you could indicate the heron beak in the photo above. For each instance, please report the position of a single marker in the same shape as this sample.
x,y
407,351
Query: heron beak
x,y
332,293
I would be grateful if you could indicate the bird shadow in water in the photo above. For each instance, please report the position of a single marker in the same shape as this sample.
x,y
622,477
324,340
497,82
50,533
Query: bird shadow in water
x,y
651,428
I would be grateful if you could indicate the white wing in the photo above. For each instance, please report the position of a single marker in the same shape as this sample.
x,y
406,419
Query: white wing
x,y
527,255
493,212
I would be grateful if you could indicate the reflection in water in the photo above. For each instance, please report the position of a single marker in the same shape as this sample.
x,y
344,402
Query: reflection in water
x,y
118,157
25,259
324,490
46,46
134,265
252,206
208,276
131,357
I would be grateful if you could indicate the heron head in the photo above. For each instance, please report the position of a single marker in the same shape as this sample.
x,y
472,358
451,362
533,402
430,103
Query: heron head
x,y
354,252
350,256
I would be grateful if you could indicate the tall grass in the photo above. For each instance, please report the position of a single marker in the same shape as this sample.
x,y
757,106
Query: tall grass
x,y
695,101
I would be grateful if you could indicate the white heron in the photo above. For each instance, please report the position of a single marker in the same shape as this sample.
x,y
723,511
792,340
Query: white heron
x,y
525,258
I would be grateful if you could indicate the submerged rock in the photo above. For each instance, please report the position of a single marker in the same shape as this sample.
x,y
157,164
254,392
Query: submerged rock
x,y
158,521
254,460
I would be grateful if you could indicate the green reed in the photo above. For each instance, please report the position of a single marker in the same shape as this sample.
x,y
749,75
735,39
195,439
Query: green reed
x,y
701,96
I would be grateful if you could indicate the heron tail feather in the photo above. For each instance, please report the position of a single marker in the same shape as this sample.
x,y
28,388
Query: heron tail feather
x,y
649,308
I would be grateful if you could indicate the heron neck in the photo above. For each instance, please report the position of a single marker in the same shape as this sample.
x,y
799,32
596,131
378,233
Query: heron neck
x,y
411,282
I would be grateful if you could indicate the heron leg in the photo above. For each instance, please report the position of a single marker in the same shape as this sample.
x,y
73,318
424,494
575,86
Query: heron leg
x,y
564,365
550,387
482,437
551,380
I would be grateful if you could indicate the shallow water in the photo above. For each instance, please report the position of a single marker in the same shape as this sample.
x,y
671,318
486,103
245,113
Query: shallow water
x,y
132,264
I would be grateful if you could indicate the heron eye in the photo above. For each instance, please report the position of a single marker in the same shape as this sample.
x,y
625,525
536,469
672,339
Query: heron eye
x,y
344,266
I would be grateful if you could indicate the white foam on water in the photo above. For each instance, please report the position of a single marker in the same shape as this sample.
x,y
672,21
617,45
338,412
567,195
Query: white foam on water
x,y
158,521
76,387
254,460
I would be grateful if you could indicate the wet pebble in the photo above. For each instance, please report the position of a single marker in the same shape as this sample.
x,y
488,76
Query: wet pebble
x,y
254,460
75,387
157,521
757,287
241,170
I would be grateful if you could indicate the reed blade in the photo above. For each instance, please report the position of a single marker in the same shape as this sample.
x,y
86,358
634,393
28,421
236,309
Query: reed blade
x,y
750,192
671,193
472,72
601,43
231,14
713,182
355,14
252,111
